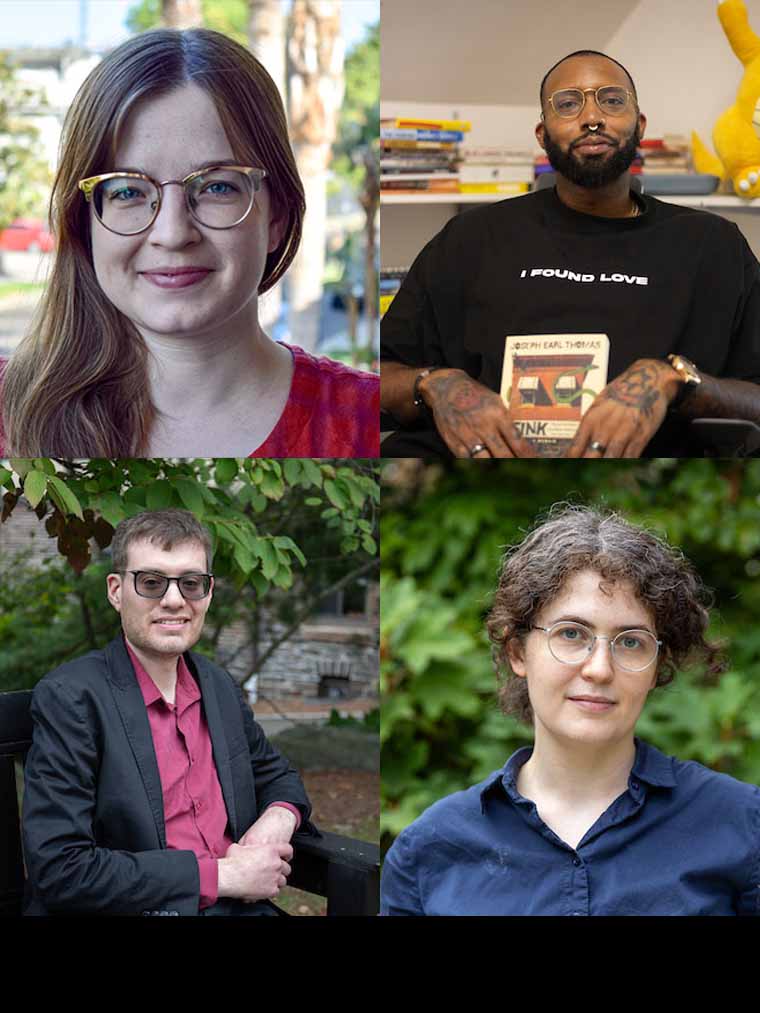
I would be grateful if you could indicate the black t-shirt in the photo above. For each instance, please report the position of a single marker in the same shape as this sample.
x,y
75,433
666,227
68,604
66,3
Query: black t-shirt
x,y
673,279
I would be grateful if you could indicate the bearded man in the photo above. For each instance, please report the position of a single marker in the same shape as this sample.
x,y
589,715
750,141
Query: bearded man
x,y
676,290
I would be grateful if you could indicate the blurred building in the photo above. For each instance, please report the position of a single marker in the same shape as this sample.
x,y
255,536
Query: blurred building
x,y
56,75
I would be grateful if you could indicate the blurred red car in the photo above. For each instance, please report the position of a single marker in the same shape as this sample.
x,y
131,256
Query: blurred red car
x,y
27,234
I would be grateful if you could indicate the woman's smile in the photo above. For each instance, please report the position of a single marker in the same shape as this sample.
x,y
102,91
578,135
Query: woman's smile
x,y
179,277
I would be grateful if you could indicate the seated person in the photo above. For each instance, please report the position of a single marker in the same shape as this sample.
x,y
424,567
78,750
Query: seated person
x,y
149,787
676,290
590,616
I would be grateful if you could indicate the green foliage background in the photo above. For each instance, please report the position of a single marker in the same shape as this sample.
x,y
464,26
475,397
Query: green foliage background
x,y
25,178
443,532
359,125
227,16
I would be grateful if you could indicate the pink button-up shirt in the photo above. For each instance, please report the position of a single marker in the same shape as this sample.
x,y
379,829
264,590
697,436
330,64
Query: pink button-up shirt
x,y
195,816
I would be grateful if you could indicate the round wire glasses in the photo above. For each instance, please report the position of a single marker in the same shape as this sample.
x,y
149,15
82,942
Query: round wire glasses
x,y
192,586
219,197
572,643
610,99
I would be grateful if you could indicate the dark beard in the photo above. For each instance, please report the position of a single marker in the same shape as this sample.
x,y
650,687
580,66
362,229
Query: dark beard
x,y
592,173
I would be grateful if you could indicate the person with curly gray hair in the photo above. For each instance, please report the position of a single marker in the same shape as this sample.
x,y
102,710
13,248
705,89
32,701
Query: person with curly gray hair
x,y
590,615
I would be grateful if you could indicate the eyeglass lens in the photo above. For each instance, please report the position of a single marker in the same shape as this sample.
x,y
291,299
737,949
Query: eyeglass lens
x,y
611,100
572,643
153,585
219,198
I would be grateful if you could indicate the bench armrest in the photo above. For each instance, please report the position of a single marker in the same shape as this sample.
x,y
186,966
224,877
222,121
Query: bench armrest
x,y
344,870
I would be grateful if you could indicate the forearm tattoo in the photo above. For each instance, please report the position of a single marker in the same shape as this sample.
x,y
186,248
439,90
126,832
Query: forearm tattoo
x,y
637,388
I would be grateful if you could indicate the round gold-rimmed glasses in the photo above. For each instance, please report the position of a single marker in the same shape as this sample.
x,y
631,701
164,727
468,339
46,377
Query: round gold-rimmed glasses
x,y
217,196
611,99
572,643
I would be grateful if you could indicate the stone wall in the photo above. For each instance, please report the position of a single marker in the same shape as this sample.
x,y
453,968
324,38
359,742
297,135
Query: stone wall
x,y
23,530
318,648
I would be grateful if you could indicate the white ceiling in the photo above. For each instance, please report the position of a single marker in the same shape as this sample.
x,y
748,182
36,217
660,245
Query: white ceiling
x,y
485,51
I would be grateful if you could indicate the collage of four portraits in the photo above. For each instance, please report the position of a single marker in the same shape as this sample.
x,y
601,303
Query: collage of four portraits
x,y
379,438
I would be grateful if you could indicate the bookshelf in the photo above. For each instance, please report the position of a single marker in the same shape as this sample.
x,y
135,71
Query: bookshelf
x,y
686,200
403,233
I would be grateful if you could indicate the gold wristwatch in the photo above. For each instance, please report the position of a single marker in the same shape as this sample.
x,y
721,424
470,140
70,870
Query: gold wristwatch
x,y
690,378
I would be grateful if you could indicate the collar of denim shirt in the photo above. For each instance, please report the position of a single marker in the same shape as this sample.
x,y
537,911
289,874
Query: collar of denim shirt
x,y
650,766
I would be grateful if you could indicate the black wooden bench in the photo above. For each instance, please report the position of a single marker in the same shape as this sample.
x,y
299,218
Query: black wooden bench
x,y
345,871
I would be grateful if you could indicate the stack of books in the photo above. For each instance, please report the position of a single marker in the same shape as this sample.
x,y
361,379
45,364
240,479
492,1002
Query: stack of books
x,y
390,283
668,169
665,156
495,170
420,156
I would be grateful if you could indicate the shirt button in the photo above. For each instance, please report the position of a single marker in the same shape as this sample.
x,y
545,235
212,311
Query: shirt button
x,y
576,861
635,785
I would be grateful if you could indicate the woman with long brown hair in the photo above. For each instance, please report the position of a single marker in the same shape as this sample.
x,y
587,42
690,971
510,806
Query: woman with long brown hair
x,y
177,203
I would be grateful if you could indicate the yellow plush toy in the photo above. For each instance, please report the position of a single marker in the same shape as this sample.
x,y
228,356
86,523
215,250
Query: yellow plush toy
x,y
737,131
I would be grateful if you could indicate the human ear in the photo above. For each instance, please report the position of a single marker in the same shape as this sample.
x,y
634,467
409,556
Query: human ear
x,y
114,585
642,125
277,226
540,133
514,650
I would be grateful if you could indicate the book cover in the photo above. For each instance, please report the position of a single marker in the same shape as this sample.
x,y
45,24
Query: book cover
x,y
412,134
406,145
407,123
549,381
496,173
510,189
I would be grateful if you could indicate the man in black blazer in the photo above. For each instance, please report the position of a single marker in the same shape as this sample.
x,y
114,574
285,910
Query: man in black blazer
x,y
146,764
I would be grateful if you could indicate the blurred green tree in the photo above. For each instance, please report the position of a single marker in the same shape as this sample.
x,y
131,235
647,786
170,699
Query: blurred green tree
x,y
227,16
25,176
444,530
357,149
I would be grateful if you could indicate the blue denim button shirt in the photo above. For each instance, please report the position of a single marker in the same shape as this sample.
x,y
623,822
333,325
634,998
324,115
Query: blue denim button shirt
x,y
682,840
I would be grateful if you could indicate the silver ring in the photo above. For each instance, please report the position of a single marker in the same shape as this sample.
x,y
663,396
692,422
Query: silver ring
x,y
477,449
595,445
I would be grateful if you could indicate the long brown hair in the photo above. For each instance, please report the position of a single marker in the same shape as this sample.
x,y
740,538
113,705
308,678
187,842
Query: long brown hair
x,y
77,386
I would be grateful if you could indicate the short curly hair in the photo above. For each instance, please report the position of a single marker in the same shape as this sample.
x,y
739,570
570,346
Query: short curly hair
x,y
572,539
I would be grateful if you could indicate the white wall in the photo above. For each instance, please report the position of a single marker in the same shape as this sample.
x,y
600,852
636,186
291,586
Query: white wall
x,y
683,66
405,228
485,51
